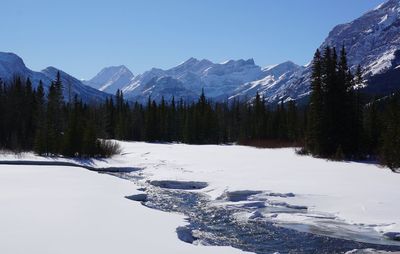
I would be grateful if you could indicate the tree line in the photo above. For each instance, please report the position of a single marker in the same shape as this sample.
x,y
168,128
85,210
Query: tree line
x,y
31,120
339,122
199,122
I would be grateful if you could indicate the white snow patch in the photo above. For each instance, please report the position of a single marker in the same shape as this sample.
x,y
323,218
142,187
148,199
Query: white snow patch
x,y
383,63
379,6
269,67
383,19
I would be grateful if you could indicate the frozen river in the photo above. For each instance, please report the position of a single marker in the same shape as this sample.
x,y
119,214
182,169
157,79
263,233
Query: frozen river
x,y
219,222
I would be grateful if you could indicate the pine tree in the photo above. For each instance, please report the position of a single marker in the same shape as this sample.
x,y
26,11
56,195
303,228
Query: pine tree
x,y
391,136
371,128
72,143
345,113
331,97
40,142
54,116
90,146
314,141
334,120
292,121
28,109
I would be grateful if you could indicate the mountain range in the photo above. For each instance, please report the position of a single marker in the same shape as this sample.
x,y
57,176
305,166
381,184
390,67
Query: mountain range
x,y
372,41
12,65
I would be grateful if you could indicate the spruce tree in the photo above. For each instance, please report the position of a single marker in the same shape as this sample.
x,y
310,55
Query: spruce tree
x,y
90,147
391,136
54,116
72,139
314,140
40,140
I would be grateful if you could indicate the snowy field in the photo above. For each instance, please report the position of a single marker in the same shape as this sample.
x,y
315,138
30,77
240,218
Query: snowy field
x,y
69,210
48,210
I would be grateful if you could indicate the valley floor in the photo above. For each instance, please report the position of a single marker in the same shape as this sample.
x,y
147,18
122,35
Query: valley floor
x,y
54,209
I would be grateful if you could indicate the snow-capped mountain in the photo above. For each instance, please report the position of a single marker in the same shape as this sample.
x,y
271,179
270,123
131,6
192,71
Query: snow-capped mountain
x,y
189,78
111,79
11,65
240,79
372,41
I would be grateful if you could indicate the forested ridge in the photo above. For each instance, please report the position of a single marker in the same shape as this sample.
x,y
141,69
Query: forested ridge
x,y
338,123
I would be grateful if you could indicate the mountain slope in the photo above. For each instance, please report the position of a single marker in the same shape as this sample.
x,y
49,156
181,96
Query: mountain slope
x,y
111,79
11,65
272,85
372,41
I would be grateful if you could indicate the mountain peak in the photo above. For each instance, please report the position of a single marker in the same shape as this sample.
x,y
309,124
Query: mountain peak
x,y
280,69
113,71
50,69
249,61
8,57
111,78
51,72
115,68
10,65
10,62
191,60
194,61
289,64
191,65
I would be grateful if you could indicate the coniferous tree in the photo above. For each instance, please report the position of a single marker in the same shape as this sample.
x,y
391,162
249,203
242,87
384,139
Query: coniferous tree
x,y
391,135
72,143
89,141
40,140
334,120
292,132
314,141
54,116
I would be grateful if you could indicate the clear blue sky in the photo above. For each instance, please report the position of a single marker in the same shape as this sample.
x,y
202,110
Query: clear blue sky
x,y
83,36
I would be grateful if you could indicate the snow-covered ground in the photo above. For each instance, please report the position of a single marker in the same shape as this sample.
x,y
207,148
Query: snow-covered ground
x,y
347,200
50,209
